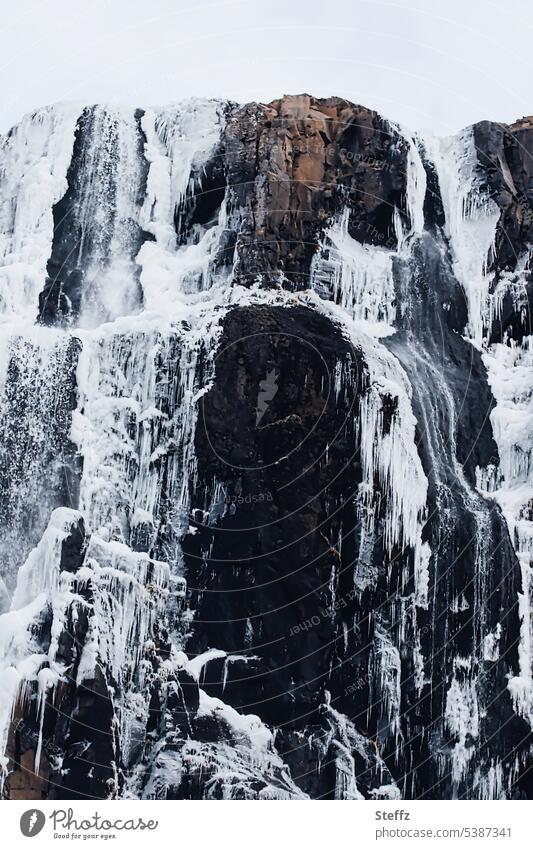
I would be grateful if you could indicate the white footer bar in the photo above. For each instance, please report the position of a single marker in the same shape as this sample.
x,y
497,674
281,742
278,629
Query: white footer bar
x,y
280,825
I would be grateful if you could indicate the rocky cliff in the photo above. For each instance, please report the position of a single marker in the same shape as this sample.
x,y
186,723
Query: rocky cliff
x,y
266,459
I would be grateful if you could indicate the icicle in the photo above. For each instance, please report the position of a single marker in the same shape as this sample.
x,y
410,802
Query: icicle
x,y
388,677
416,186
46,679
358,276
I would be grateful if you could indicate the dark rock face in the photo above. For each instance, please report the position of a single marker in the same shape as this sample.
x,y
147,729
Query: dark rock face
x,y
505,160
463,528
293,164
289,482
280,582
505,156
294,574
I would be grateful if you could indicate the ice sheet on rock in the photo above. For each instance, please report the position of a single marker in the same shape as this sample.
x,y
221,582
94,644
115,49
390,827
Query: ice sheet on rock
x,y
198,663
393,456
510,375
130,592
388,675
247,727
180,140
510,369
40,572
34,160
138,404
167,276
36,386
416,185
462,716
359,277
471,217
491,644
345,743
521,686
106,213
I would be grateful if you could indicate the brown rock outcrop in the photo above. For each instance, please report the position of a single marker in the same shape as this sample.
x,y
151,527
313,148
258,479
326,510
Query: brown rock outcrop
x,y
293,164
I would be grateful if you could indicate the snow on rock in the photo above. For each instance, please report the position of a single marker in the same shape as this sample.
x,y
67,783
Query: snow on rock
x,y
39,587
242,764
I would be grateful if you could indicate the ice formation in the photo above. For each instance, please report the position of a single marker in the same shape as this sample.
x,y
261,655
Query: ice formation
x,y
115,232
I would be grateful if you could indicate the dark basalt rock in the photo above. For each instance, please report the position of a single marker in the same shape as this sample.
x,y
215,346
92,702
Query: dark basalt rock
x,y
294,163
505,154
266,572
289,480
471,550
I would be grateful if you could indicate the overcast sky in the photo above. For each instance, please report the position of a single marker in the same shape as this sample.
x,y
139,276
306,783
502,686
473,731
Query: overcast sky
x,y
438,64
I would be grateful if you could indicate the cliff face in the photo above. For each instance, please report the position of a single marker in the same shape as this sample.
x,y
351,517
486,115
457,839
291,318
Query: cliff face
x,y
294,164
505,157
266,512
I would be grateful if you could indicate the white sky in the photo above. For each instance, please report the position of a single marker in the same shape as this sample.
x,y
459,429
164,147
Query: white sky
x,y
438,64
